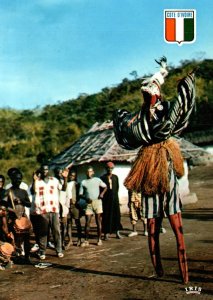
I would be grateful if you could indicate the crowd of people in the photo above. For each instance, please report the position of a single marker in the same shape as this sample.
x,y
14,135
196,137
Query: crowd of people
x,y
45,212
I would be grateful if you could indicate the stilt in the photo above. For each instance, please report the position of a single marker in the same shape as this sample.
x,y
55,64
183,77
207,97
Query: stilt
x,y
177,226
154,225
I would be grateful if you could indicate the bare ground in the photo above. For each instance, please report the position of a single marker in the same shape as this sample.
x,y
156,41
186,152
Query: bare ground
x,y
121,269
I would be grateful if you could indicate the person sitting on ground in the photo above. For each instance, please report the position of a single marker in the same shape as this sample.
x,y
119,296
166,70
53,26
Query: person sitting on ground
x,y
17,199
5,235
7,246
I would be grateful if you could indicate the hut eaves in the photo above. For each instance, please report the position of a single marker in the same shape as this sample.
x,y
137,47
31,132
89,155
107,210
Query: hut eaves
x,y
99,144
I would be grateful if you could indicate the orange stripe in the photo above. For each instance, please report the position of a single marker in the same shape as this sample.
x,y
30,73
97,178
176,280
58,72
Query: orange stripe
x,y
170,30
132,120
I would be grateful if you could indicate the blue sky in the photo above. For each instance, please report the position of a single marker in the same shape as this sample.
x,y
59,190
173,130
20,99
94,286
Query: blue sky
x,y
54,50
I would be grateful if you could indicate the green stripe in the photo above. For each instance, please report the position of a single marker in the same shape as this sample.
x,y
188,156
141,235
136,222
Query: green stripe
x,y
188,30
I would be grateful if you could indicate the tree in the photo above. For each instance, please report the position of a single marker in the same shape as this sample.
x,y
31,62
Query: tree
x,y
134,74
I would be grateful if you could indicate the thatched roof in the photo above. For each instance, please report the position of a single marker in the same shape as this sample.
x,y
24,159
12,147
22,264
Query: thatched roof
x,y
204,137
99,144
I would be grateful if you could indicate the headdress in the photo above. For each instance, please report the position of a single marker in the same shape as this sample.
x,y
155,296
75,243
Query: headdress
x,y
151,85
110,165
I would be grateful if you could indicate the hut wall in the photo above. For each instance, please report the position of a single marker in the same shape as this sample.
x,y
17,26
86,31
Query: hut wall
x,y
122,170
184,182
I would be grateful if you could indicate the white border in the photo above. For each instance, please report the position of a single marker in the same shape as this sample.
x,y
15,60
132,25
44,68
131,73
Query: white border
x,y
180,10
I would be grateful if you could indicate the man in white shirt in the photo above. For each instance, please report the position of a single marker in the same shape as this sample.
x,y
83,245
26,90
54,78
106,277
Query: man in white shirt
x,y
46,207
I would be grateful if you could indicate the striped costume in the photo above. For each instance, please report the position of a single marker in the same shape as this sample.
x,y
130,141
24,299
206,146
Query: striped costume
x,y
158,205
159,160
133,130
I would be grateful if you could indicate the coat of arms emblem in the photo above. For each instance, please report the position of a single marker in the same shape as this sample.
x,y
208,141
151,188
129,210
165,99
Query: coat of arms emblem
x,y
180,26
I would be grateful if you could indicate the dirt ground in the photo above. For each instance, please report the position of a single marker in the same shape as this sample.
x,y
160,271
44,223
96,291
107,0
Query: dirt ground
x,y
121,269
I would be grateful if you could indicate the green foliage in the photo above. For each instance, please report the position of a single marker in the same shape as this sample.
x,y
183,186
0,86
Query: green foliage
x,y
28,133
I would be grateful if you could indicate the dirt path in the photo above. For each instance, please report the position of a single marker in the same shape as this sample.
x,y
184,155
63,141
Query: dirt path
x,y
121,269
